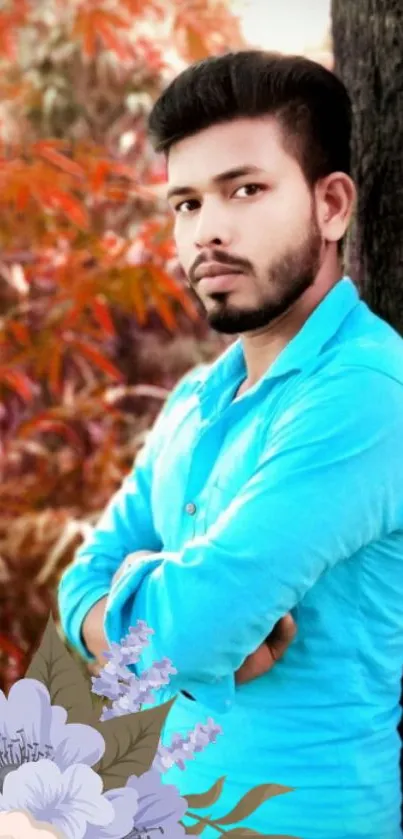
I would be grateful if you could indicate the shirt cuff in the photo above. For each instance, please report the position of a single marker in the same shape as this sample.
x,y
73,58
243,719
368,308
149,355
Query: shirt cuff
x,y
124,608
72,626
121,609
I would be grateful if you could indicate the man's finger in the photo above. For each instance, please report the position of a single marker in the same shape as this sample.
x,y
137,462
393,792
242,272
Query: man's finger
x,y
255,665
281,636
266,656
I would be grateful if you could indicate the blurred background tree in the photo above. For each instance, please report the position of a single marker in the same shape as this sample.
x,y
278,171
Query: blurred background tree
x,y
368,52
96,324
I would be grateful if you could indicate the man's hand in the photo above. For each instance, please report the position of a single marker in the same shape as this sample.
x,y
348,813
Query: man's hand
x,y
256,664
93,626
266,656
93,631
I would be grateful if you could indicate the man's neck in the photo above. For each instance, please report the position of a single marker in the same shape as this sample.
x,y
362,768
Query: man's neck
x,y
263,347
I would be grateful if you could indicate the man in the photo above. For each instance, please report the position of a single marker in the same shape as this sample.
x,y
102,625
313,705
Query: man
x,y
272,482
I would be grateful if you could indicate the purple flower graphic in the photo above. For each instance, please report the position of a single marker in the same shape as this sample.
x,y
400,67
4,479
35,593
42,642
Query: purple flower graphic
x,y
70,800
160,807
118,683
185,748
48,786
129,692
31,729
45,762
138,691
125,802
149,808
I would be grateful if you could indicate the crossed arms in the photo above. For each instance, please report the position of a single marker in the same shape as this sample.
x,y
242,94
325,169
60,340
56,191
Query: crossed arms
x,y
326,485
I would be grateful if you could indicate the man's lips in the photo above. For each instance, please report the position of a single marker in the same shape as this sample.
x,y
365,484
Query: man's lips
x,y
222,282
215,269
215,276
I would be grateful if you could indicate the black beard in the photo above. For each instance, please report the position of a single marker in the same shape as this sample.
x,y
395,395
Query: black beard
x,y
290,278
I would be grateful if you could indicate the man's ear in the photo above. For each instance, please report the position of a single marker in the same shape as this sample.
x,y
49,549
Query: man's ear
x,y
335,197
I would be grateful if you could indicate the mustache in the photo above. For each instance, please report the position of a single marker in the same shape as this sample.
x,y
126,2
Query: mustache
x,y
222,258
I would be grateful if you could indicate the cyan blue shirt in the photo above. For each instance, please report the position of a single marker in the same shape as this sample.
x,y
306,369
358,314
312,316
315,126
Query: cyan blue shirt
x,y
287,498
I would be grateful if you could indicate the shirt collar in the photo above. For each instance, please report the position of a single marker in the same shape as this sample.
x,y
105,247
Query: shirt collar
x,y
307,344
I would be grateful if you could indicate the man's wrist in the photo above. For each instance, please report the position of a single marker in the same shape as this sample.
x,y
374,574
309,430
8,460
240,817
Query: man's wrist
x,y
92,632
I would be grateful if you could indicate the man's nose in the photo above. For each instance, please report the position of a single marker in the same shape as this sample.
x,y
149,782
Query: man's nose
x,y
212,228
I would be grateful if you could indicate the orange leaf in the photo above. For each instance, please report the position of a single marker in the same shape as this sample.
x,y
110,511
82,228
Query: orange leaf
x,y
98,176
62,162
22,197
7,37
173,289
89,42
188,35
20,331
55,369
111,41
52,426
71,319
18,382
73,209
196,46
163,280
116,194
136,7
122,170
102,315
134,277
112,19
93,354
164,310
43,145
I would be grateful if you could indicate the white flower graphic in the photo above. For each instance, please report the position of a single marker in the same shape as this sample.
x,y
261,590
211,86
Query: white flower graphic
x,y
19,825
69,800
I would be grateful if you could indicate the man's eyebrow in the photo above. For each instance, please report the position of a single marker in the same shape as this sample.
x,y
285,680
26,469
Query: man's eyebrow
x,y
223,177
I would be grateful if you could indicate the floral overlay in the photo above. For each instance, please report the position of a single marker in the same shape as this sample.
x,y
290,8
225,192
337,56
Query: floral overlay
x,y
81,760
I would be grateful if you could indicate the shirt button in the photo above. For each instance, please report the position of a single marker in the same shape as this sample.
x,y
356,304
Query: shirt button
x,y
190,508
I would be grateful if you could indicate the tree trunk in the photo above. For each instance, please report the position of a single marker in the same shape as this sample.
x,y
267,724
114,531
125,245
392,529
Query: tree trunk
x,y
368,52
368,49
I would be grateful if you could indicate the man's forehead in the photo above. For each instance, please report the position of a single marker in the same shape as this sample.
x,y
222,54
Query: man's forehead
x,y
247,145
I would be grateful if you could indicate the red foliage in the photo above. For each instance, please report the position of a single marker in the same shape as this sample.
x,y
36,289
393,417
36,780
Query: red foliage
x,y
96,323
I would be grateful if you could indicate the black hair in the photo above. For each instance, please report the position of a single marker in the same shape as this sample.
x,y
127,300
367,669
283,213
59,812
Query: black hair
x,y
311,104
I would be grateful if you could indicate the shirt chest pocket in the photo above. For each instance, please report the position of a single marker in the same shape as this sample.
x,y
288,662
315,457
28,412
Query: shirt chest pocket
x,y
217,500
234,468
220,494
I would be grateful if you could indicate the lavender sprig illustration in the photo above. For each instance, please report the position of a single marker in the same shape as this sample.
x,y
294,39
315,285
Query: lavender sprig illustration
x,y
129,692
66,774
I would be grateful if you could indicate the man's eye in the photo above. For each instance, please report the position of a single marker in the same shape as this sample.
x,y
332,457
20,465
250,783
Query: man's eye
x,y
186,206
252,189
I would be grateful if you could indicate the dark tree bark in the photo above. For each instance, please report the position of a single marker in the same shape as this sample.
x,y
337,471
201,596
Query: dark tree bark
x,y
368,51
368,48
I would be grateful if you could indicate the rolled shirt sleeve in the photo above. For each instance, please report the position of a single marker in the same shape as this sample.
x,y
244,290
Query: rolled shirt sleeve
x,y
326,485
125,526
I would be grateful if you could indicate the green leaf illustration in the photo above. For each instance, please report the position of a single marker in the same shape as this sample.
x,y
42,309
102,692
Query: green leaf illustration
x,y
98,703
244,833
195,829
251,801
206,799
131,744
53,665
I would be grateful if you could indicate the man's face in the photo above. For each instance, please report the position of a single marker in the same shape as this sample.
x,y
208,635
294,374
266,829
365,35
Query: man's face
x,y
257,228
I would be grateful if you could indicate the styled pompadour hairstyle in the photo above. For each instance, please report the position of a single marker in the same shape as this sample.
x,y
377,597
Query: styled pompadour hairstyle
x,y
310,103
